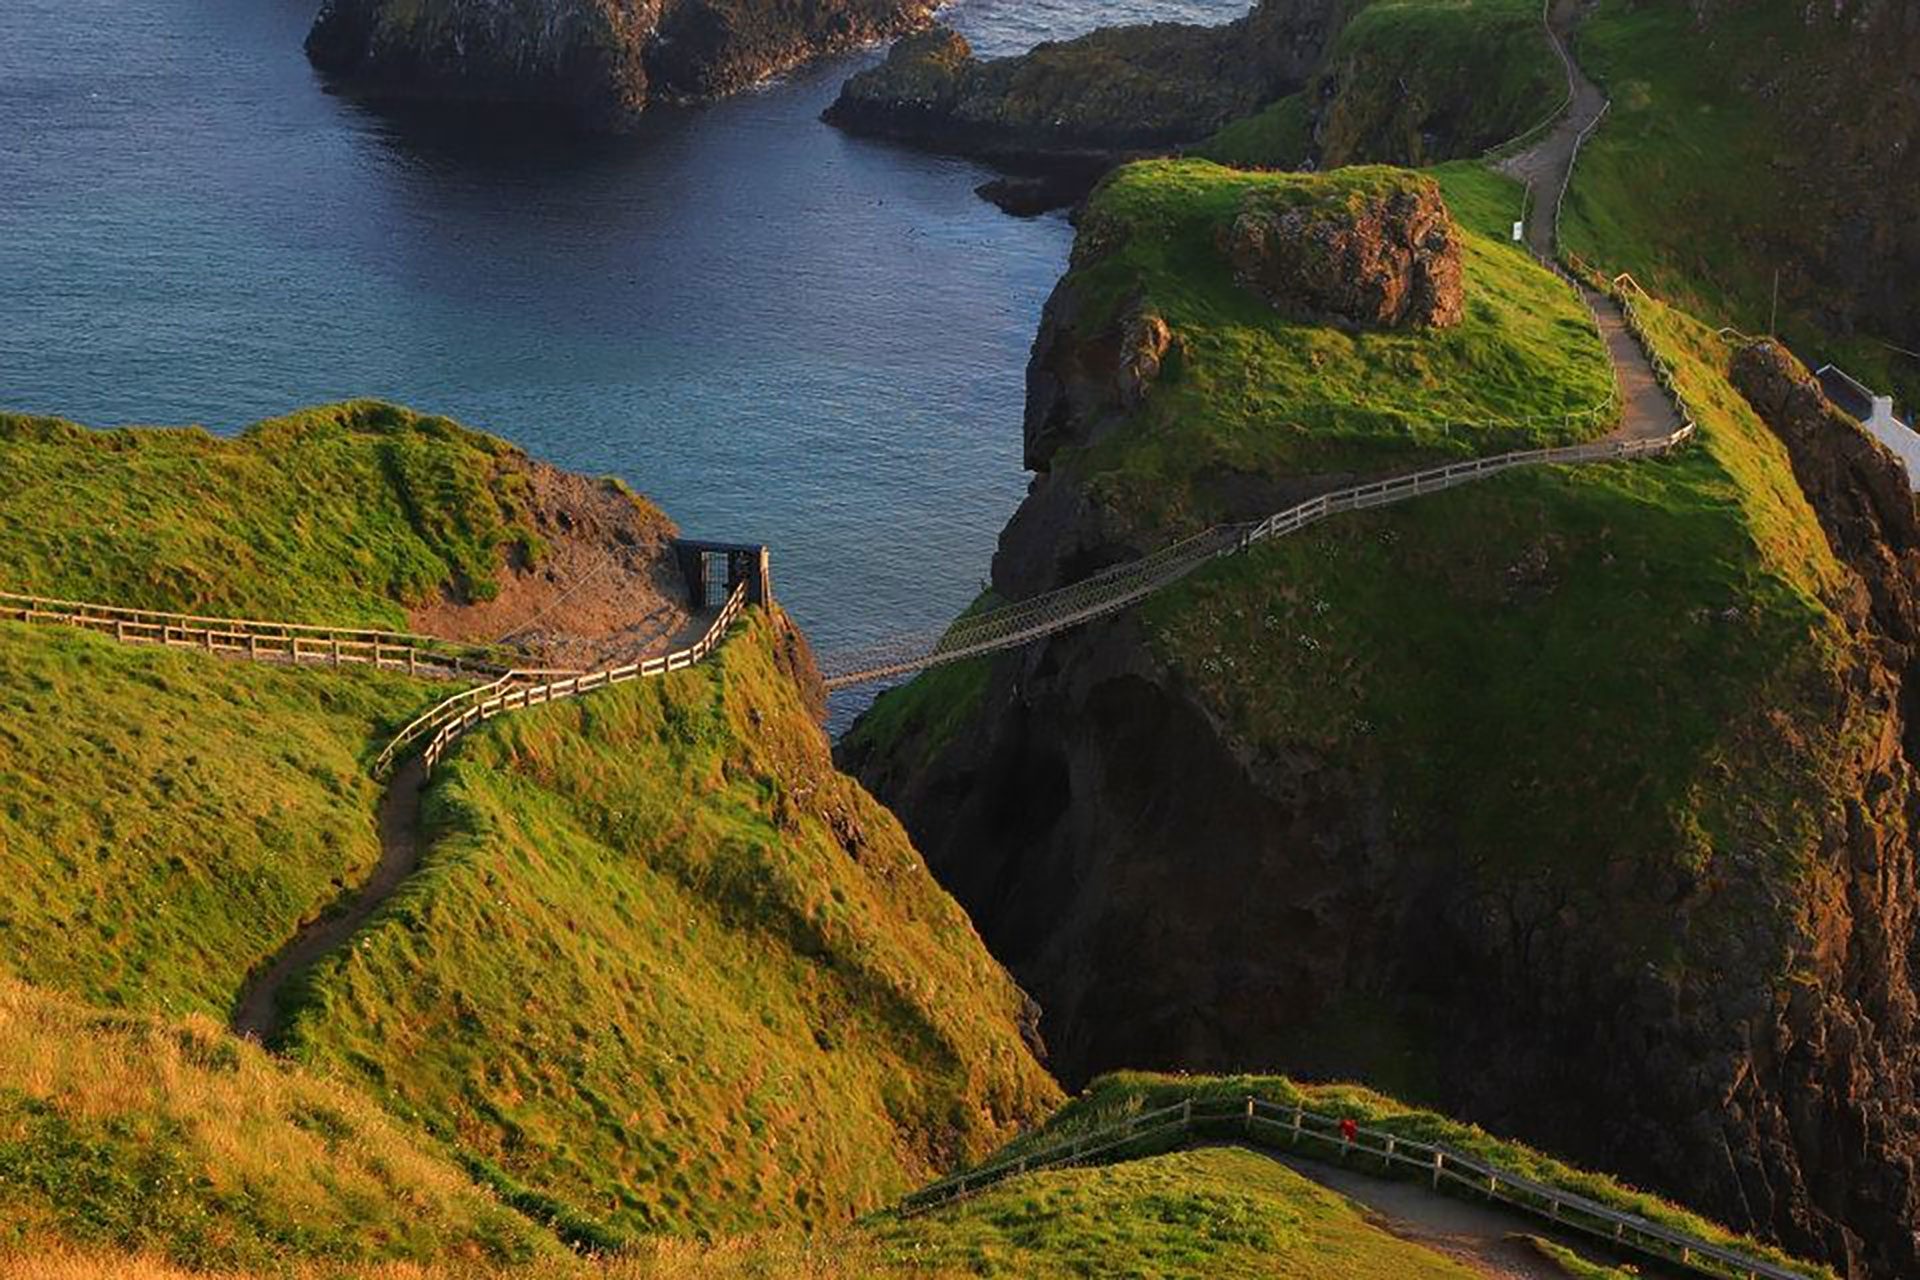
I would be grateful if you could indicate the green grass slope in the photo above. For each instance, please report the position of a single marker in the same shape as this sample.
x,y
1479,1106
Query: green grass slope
x,y
1746,141
1408,82
1111,1099
1218,1212
340,515
167,819
669,971
124,1133
1247,392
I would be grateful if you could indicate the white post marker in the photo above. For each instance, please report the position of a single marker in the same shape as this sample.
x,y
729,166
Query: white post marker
x,y
1519,232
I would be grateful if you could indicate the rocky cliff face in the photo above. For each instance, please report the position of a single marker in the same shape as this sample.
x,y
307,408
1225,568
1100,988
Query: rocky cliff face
x,y
1083,104
597,63
1718,1002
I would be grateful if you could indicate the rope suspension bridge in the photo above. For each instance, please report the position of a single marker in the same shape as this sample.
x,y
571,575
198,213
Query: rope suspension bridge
x,y
1120,586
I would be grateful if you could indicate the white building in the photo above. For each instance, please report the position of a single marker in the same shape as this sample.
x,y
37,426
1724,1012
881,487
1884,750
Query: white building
x,y
1876,415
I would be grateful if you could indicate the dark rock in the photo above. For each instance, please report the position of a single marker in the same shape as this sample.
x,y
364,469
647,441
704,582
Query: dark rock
x,y
1178,899
1389,259
595,63
1114,94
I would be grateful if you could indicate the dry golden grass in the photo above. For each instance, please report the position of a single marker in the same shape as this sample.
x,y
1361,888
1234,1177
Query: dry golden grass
x,y
776,1256
131,1132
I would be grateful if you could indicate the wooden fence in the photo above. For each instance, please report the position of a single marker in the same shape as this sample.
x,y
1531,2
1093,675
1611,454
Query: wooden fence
x,y
464,710
283,642
1258,1122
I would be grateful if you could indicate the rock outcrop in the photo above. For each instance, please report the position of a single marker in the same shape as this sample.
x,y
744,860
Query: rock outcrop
x,y
1389,259
1724,1007
1072,109
595,63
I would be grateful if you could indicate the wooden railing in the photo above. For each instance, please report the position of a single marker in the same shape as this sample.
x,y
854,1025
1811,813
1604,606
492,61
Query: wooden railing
x,y
1259,1122
463,711
284,642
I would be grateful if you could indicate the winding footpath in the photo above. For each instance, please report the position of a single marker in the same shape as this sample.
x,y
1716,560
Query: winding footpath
x,y
256,1014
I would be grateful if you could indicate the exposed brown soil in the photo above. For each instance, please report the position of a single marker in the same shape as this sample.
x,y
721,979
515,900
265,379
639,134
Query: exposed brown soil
x,y
605,589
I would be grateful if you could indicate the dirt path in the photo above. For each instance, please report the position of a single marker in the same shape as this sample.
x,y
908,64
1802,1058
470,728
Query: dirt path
x,y
1482,1237
256,1014
1646,414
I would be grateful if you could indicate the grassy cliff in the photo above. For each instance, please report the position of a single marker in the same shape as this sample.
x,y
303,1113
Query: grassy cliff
x,y
1244,392
1533,780
669,967
1408,82
663,970
343,515
1756,143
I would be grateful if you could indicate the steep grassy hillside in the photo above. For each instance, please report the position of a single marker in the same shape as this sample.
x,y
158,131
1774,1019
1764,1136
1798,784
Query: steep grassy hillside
x,y
1750,137
664,970
1519,799
341,515
670,970
167,820
1245,393
1408,82
120,1132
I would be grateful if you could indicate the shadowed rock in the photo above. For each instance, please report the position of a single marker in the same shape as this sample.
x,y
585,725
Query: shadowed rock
x,y
595,63
1386,259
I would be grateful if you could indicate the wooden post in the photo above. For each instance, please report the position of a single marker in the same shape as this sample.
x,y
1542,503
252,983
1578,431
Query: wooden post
x,y
253,645
336,653
1437,1158
120,631
1249,1115
1296,1126
413,656
1186,1114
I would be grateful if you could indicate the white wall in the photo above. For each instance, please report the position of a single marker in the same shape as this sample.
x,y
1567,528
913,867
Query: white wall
x,y
1897,436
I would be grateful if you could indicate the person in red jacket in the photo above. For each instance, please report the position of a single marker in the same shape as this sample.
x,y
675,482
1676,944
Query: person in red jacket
x,y
1349,1130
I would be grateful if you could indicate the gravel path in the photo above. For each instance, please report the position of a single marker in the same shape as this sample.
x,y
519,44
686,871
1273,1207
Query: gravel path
x,y
1647,413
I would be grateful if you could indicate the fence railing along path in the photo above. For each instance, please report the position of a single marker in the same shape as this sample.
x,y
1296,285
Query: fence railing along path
x,y
283,642
461,712
510,688
1258,1122
1126,584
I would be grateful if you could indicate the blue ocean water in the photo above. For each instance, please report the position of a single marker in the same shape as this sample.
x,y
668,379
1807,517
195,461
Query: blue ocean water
x,y
778,332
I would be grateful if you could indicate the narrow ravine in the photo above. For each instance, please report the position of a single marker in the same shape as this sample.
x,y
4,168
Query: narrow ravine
x,y
257,1013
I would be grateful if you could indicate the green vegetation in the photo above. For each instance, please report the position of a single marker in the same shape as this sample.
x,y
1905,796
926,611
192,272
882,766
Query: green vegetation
x,y
1203,1214
1575,1266
1408,82
1247,393
341,515
1703,186
1112,1098
1280,136
131,1133
168,819
668,971
1538,625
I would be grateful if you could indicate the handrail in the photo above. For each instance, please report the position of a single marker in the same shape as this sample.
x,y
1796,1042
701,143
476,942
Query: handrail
x,y
454,716
1553,117
262,640
1127,583
1244,1118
